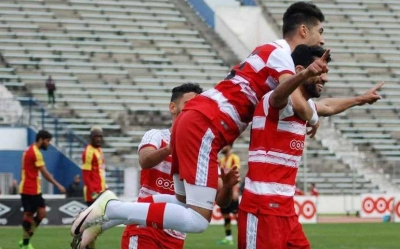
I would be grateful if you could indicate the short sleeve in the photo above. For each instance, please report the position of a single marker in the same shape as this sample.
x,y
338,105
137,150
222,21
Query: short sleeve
x,y
151,138
312,105
87,159
39,162
280,62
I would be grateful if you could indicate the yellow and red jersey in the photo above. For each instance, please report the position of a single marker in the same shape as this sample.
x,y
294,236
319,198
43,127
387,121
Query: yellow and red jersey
x,y
93,171
32,160
227,162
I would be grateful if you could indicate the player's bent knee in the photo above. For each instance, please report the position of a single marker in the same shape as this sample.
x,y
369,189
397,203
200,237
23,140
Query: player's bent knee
x,y
198,223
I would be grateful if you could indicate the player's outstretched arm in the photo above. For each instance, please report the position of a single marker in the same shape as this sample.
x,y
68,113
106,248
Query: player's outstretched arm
x,y
150,157
332,106
226,183
50,178
288,85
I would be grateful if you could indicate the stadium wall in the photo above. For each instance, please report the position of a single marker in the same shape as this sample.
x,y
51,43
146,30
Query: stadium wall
x,y
13,143
242,27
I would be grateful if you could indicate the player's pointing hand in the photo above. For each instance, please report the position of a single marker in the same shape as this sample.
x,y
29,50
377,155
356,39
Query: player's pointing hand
x,y
319,66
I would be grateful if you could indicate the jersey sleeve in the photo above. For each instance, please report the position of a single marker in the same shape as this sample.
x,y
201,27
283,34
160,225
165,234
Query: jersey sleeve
x,y
39,162
312,105
280,62
151,138
87,158
285,111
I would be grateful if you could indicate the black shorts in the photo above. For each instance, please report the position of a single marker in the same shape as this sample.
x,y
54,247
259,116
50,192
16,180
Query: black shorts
x,y
31,203
232,208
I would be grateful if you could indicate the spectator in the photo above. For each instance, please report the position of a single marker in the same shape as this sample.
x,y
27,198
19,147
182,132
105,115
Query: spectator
x,y
13,188
51,88
298,191
75,189
314,190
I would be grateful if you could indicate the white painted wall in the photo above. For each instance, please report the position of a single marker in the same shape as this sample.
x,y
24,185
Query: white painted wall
x,y
243,28
131,182
213,4
338,204
13,138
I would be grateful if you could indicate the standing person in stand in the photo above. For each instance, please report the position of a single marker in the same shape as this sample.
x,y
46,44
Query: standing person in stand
x,y
51,88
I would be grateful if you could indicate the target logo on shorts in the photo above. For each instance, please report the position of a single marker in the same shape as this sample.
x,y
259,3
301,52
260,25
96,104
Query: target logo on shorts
x,y
165,184
380,205
297,145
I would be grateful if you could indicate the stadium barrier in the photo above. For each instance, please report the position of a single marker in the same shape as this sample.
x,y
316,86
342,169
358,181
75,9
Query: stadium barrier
x,y
396,208
60,210
376,205
305,207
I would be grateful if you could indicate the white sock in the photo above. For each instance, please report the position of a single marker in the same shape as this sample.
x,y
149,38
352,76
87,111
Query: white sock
x,y
174,216
229,237
167,199
111,224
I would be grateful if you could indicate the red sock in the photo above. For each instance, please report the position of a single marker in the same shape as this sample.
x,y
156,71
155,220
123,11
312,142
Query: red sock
x,y
155,215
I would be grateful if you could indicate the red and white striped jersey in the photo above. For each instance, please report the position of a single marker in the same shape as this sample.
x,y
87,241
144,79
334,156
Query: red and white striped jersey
x,y
276,146
158,180
231,103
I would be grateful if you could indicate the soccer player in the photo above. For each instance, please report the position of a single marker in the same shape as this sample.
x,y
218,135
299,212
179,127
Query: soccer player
x,y
228,161
214,119
155,177
30,187
267,217
93,169
155,161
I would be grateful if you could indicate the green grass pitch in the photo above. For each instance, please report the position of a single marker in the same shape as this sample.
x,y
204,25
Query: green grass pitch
x,y
322,236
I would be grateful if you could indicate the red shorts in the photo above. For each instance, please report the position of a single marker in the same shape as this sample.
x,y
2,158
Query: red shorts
x,y
270,231
149,238
195,143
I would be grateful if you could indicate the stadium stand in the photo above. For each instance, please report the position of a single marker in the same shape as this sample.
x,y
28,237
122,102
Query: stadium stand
x,y
364,43
114,63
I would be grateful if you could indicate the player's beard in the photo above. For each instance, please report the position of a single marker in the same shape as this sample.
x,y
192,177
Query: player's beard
x,y
312,90
43,147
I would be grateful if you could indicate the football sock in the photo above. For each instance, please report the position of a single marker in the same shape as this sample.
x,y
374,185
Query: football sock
x,y
157,215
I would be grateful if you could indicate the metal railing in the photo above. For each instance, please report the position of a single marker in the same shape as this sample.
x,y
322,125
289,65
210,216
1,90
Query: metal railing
x,y
35,115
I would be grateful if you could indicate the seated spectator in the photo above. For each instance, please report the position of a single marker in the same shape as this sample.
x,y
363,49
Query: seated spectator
x,y
313,190
13,188
75,189
298,191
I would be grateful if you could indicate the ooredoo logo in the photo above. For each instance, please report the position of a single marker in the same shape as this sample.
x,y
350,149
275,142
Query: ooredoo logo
x,y
165,184
380,205
307,209
296,145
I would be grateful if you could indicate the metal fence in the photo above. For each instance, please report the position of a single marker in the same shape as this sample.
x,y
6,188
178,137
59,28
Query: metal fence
x,y
34,114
